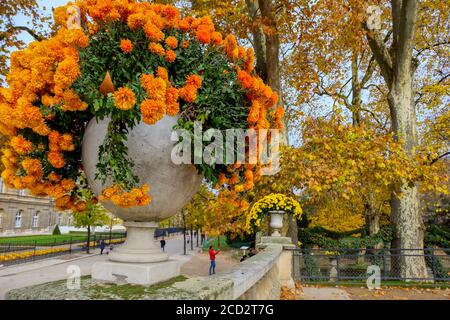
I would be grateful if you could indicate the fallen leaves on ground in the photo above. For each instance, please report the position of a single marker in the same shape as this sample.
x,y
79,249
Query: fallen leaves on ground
x,y
291,294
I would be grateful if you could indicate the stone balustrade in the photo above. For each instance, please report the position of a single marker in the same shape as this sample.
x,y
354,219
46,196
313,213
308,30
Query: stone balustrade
x,y
257,278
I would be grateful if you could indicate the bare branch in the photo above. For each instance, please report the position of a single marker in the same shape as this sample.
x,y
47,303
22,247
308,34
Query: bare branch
x,y
381,54
440,157
11,29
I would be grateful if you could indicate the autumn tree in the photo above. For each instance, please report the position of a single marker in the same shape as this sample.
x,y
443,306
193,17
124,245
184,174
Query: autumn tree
x,y
391,59
10,31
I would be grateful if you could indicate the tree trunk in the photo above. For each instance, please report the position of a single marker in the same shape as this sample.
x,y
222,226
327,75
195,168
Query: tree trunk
x,y
406,213
372,215
372,222
397,67
88,238
184,234
356,92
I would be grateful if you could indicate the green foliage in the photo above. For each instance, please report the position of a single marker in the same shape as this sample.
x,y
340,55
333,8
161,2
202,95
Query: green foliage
x,y
437,236
56,231
335,240
95,215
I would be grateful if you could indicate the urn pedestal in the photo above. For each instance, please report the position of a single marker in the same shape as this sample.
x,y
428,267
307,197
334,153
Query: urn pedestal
x,y
139,260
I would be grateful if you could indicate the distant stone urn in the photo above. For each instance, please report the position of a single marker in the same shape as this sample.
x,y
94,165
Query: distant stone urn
x,y
171,186
276,222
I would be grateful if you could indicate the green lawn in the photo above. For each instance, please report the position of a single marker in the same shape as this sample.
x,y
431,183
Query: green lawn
x,y
43,240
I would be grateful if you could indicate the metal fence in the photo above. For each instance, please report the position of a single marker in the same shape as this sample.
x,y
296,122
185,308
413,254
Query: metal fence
x,y
22,251
351,265
165,232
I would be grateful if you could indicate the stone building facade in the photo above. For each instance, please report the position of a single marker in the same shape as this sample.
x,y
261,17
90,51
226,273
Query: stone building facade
x,y
22,213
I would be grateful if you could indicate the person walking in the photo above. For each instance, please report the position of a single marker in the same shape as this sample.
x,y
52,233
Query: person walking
x,y
203,238
102,246
212,258
163,244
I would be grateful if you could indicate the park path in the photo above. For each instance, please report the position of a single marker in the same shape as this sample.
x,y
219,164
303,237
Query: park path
x,y
195,263
312,292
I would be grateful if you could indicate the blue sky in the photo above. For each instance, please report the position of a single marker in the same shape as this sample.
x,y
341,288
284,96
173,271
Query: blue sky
x,y
48,5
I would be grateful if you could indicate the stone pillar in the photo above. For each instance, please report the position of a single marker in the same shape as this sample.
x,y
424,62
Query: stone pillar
x,y
333,270
139,246
138,260
285,259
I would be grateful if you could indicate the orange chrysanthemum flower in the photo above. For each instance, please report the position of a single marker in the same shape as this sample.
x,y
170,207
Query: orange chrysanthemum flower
x,y
279,114
126,45
203,36
68,184
185,44
163,73
53,177
245,79
154,86
172,42
172,105
194,80
253,115
250,60
152,111
156,48
188,93
136,20
21,145
216,38
185,24
153,33
124,98
171,56
56,159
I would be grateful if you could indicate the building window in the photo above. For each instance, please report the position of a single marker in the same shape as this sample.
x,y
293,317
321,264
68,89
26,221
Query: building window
x,y
18,220
1,186
35,222
58,221
22,192
1,218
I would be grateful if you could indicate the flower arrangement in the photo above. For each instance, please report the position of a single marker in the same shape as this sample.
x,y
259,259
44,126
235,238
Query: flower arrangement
x,y
272,202
131,62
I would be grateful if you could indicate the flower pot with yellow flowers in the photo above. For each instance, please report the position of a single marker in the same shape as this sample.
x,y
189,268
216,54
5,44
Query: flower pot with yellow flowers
x,y
98,101
275,205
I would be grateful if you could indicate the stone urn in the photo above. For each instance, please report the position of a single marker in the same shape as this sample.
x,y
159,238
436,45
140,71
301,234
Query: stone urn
x,y
171,186
276,222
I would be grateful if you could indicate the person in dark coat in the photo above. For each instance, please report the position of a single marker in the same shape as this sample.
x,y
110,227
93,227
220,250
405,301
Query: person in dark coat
x,y
163,244
102,246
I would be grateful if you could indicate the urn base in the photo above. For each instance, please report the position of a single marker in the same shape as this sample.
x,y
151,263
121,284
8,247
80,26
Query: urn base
x,y
139,246
144,274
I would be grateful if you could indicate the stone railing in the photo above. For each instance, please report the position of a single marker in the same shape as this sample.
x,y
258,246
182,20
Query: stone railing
x,y
257,278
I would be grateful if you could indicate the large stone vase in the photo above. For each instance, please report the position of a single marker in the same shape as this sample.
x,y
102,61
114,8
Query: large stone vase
x,y
171,186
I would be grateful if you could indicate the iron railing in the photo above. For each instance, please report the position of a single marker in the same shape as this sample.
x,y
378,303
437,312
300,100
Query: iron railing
x,y
22,251
352,265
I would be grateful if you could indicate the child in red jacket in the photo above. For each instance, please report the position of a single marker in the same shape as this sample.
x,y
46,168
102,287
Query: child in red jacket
x,y
212,258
